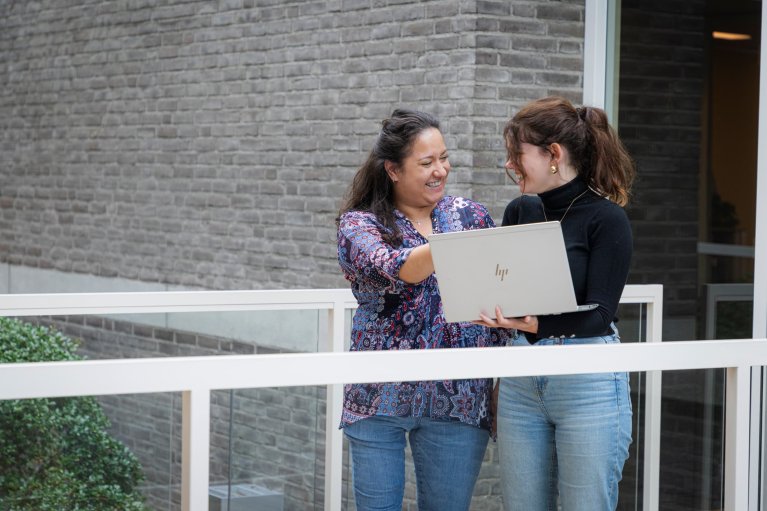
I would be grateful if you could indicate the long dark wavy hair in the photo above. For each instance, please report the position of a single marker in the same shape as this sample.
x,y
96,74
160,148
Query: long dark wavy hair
x,y
372,189
595,150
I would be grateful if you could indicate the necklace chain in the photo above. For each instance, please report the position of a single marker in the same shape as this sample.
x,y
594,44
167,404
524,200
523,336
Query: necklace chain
x,y
566,211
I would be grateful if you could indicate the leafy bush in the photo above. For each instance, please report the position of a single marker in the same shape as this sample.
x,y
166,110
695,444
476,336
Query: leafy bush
x,y
56,454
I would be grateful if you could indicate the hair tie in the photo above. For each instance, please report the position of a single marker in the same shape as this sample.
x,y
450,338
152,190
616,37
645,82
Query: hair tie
x,y
582,112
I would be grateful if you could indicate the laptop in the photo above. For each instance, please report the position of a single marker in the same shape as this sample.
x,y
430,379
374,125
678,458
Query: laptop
x,y
523,268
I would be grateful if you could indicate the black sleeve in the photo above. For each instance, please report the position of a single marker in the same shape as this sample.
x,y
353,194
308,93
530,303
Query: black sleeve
x,y
611,246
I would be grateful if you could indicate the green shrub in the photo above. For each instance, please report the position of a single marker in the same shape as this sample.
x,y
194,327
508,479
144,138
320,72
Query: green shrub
x,y
56,454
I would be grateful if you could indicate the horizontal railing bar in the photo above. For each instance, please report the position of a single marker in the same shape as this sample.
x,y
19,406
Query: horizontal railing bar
x,y
58,304
725,249
106,377
171,301
642,293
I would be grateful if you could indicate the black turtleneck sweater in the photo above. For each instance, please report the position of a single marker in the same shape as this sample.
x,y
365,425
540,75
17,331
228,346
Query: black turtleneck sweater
x,y
599,246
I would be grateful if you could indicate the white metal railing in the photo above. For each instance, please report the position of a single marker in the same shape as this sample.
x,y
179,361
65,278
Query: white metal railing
x,y
196,377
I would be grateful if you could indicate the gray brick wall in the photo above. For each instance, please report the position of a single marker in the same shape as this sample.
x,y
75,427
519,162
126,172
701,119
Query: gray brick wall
x,y
208,144
524,51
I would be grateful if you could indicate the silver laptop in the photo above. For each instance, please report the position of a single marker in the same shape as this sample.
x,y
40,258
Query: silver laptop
x,y
522,268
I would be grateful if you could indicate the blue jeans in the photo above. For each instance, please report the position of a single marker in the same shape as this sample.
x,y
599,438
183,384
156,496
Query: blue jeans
x,y
563,435
447,456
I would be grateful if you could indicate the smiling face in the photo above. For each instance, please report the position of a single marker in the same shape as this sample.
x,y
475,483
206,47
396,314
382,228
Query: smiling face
x,y
531,168
419,181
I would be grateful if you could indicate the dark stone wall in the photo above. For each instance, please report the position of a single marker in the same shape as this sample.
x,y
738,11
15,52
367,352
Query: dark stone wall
x,y
663,75
662,78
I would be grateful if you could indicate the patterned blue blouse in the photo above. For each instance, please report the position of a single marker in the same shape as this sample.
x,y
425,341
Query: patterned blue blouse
x,y
395,315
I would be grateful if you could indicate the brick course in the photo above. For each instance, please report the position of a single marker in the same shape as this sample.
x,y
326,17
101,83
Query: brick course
x,y
209,146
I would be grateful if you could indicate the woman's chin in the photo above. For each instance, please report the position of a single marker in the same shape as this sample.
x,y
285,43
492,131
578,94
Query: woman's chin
x,y
435,194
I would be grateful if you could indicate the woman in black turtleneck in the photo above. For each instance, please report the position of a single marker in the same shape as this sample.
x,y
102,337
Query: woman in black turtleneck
x,y
568,436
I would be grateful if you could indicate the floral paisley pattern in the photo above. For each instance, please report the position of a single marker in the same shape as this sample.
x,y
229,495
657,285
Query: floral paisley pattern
x,y
395,315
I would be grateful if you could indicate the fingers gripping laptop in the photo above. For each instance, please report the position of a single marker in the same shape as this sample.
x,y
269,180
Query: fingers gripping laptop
x,y
522,268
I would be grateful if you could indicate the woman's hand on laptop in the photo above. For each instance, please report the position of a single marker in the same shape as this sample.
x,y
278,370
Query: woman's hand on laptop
x,y
526,323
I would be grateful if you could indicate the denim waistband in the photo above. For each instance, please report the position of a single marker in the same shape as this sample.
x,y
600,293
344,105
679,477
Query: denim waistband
x,y
533,338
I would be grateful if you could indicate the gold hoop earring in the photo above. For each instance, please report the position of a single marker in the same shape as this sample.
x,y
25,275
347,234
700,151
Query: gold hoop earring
x,y
554,169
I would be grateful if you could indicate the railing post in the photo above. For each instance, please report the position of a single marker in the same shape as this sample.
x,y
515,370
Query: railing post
x,y
736,440
195,449
651,476
334,406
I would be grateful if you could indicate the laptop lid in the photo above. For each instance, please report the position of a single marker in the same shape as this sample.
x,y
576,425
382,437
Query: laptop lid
x,y
523,268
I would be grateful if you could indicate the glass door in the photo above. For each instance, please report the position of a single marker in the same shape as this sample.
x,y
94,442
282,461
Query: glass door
x,y
686,104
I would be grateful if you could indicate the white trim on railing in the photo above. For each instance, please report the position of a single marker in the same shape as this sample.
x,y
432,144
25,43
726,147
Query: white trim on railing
x,y
334,442
195,377
203,374
204,301
172,301
757,484
176,374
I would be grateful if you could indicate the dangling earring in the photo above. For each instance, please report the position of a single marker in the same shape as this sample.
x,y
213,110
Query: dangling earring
x,y
554,169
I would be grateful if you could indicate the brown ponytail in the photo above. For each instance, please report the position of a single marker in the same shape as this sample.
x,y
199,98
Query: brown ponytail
x,y
595,150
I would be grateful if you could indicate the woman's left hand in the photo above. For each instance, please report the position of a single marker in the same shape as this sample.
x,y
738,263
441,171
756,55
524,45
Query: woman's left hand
x,y
526,324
